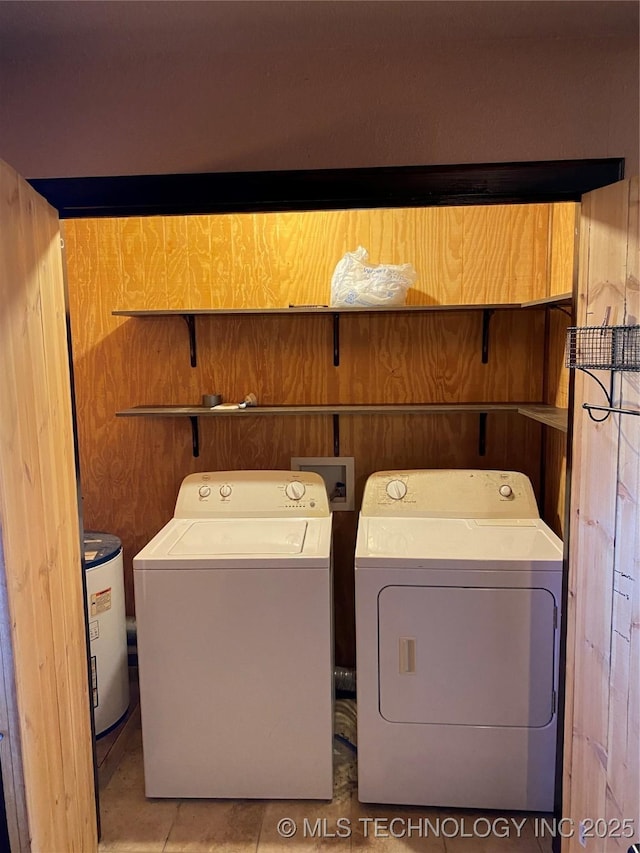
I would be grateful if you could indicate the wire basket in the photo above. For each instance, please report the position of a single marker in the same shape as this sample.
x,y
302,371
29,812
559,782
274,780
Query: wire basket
x,y
603,348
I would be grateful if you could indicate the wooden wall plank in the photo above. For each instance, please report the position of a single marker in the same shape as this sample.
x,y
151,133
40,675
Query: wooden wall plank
x,y
593,533
623,784
555,446
505,253
176,251
564,219
434,358
579,380
560,267
34,654
253,281
599,779
59,496
557,375
39,526
555,466
437,236
629,491
474,256
204,265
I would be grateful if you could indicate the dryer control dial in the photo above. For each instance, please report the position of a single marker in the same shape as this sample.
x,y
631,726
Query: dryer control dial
x,y
295,490
506,491
225,490
396,489
204,491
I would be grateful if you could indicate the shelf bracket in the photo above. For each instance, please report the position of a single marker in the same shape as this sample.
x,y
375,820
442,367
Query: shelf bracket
x,y
336,435
190,320
560,308
195,435
609,408
482,434
486,320
336,342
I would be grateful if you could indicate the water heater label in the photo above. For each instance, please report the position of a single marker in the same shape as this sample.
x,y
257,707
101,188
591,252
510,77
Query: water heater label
x,y
94,630
100,601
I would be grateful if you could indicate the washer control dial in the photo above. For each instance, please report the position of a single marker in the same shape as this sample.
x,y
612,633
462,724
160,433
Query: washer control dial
x,y
506,491
396,489
294,490
225,490
204,491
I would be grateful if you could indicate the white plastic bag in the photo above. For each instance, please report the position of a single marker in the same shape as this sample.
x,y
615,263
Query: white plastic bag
x,y
357,283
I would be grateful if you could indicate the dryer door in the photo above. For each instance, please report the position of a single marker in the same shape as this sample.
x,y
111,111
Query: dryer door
x,y
466,656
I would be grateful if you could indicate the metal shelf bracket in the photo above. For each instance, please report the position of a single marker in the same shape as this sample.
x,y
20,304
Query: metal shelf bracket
x,y
195,435
609,408
482,434
190,320
562,310
336,435
486,320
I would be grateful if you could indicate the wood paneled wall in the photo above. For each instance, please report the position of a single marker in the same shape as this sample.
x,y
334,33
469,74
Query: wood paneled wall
x,y
40,553
602,732
462,255
132,468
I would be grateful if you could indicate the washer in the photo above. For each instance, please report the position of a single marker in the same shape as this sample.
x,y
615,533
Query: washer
x,y
458,592
235,642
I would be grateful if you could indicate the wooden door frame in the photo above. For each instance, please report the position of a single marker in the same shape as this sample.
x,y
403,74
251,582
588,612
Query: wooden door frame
x,y
334,189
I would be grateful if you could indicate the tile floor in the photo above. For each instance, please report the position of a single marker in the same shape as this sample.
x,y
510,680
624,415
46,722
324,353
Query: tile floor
x,y
133,824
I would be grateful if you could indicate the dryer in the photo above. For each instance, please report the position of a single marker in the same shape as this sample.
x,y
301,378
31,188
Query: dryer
x,y
458,600
235,646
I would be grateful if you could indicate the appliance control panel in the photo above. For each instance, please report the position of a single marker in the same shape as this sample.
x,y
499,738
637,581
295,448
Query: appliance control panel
x,y
253,494
450,493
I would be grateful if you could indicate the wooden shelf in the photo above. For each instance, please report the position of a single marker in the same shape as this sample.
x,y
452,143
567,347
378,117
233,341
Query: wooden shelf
x,y
559,299
551,416
487,309
364,409
189,316
311,309
545,414
548,415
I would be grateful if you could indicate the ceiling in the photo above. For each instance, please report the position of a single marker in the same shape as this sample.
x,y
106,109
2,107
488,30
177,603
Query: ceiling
x,y
238,26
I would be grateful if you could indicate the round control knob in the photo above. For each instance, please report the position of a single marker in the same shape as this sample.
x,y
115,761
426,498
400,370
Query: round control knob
x,y
295,490
396,489
225,490
204,491
506,491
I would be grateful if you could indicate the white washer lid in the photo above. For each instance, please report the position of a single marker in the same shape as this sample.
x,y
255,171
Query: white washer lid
x,y
200,543
236,537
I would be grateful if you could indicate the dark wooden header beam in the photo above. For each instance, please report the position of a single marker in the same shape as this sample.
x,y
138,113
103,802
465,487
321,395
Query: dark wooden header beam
x,y
328,189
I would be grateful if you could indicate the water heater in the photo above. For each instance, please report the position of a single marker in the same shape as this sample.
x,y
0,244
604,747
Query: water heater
x,y
107,629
